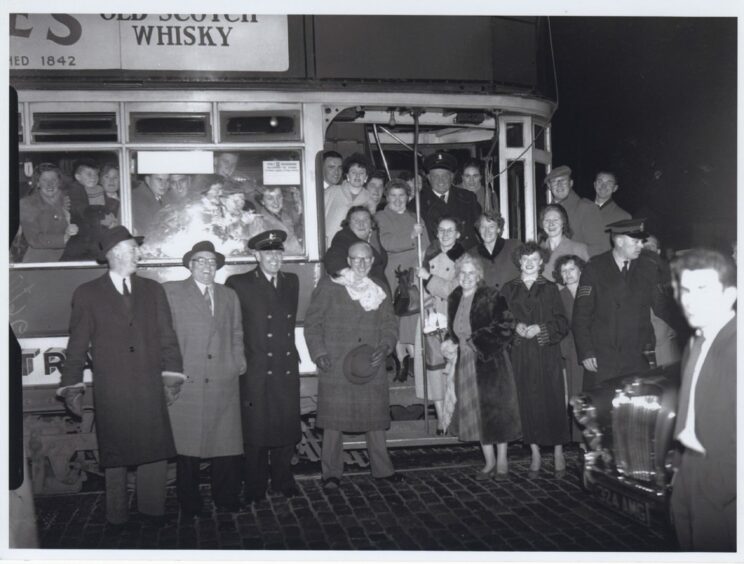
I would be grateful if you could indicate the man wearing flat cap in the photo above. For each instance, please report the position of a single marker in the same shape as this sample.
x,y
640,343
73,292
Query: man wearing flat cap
x,y
206,414
126,323
611,316
442,199
350,329
270,387
584,216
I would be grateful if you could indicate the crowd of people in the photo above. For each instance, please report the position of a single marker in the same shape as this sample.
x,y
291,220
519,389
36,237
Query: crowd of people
x,y
511,330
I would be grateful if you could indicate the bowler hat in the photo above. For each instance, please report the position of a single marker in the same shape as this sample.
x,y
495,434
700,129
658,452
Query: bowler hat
x,y
204,246
112,237
557,172
358,367
630,227
272,240
440,160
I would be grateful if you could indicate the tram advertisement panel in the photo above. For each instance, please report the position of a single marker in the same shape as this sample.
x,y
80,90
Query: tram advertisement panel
x,y
169,42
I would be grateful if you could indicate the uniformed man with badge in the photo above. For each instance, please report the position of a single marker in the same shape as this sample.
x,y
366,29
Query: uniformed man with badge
x,y
270,387
442,199
611,316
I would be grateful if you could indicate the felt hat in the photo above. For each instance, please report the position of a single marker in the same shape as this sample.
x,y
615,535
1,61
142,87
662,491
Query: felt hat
x,y
204,246
358,367
112,237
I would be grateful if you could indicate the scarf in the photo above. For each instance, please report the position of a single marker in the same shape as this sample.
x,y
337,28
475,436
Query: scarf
x,y
365,291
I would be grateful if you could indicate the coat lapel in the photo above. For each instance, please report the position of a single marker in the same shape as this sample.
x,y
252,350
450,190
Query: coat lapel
x,y
116,300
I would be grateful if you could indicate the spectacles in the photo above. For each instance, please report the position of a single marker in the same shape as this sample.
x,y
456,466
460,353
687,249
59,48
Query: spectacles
x,y
359,260
201,261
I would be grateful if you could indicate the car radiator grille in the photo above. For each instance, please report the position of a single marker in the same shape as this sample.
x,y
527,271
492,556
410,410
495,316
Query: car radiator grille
x,y
633,432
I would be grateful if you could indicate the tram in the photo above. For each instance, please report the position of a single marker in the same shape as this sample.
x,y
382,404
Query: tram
x,y
255,100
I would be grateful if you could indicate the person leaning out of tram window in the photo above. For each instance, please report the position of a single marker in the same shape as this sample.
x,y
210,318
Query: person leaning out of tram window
x,y
438,274
399,235
567,272
481,324
111,184
536,356
494,251
471,179
376,188
359,225
86,191
84,245
555,238
276,215
342,197
45,216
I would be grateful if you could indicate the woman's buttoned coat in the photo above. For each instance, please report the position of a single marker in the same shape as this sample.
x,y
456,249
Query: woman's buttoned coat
x,y
334,325
270,387
206,416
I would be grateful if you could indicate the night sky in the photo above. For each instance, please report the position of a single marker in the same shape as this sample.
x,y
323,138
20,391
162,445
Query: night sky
x,y
653,100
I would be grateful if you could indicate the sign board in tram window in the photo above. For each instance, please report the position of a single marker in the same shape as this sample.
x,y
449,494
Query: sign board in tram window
x,y
191,42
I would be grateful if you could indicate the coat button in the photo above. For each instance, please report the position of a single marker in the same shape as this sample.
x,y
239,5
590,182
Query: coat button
x,y
206,380
269,335
131,349
289,315
269,372
288,372
268,317
360,339
209,356
289,353
250,404
289,334
269,354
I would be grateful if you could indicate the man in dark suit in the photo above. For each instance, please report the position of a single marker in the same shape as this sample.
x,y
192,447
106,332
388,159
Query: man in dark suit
x,y
611,316
126,322
444,200
270,387
703,500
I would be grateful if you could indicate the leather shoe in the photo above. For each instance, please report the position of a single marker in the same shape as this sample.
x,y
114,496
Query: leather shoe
x,y
331,484
393,478
248,499
485,476
290,491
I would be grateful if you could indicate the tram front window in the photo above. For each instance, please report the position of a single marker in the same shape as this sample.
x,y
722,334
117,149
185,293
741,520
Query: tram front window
x,y
241,194
66,200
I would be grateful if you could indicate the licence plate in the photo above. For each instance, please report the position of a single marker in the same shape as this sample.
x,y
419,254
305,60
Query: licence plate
x,y
637,510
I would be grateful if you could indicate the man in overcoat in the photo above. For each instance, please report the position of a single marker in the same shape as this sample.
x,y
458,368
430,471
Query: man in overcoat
x,y
206,414
270,387
703,499
611,315
344,314
126,323
442,199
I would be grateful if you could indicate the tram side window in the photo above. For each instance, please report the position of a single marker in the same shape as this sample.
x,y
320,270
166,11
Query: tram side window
x,y
244,193
67,200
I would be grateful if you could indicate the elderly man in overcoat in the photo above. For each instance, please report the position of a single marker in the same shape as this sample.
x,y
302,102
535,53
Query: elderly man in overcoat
x,y
126,323
345,313
206,414
270,387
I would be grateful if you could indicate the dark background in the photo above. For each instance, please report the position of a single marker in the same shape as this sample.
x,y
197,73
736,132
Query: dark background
x,y
653,100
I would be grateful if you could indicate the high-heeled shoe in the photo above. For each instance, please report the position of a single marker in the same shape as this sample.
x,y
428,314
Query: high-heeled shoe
x,y
485,476
403,368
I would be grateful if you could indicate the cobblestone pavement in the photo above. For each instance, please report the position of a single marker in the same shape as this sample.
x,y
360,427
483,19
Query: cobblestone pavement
x,y
439,507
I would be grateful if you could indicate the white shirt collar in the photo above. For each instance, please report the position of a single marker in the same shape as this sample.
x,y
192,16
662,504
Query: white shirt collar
x,y
203,287
118,279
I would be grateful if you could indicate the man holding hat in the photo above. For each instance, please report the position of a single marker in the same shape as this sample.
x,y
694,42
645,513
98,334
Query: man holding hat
x,y
611,316
126,323
206,414
584,216
442,199
270,387
350,329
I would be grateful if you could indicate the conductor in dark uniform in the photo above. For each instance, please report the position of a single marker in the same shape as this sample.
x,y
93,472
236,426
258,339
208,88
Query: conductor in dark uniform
x,y
270,387
442,199
611,315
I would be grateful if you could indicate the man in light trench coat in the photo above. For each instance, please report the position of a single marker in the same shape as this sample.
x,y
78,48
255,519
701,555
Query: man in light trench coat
x,y
205,415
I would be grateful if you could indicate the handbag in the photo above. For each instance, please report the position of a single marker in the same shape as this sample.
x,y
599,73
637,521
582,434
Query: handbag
x,y
406,296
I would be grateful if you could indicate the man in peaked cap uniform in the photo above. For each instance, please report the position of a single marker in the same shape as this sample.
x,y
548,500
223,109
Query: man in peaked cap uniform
x,y
206,415
270,387
584,216
442,199
126,322
611,316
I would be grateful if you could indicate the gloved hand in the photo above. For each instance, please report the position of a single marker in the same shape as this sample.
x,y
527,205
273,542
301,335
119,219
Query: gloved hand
x,y
73,398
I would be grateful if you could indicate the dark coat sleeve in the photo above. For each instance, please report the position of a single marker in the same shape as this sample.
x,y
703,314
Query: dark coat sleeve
x,y
583,310
491,322
169,349
81,329
314,318
555,328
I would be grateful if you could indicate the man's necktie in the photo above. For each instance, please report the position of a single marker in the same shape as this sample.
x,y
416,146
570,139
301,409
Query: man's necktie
x,y
625,268
696,347
273,281
208,299
127,294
